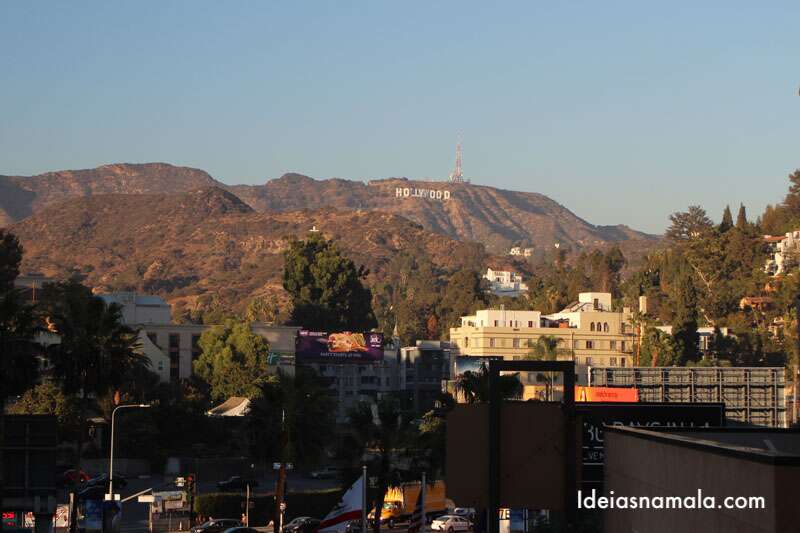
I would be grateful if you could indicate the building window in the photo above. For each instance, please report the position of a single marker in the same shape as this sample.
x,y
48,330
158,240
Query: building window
x,y
621,361
613,345
174,356
592,326
589,345
466,342
588,361
605,327
491,342
515,343
160,366
613,361
530,323
496,323
574,345
622,345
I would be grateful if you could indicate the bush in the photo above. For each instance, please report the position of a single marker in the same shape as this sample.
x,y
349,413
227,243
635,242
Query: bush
x,y
231,505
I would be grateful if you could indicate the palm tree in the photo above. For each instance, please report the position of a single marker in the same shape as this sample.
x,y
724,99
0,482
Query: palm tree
x,y
96,352
548,348
383,437
473,387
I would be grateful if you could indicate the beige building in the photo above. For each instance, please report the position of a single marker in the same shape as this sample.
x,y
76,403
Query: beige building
x,y
179,343
595,334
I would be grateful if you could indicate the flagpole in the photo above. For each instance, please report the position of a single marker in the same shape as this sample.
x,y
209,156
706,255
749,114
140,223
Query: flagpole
x,y
422,495
364,499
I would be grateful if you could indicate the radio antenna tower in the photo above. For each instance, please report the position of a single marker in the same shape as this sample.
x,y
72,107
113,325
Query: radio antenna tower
x,y
457,176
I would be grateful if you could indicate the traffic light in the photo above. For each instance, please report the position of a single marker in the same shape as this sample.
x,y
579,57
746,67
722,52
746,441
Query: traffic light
x,y
190,483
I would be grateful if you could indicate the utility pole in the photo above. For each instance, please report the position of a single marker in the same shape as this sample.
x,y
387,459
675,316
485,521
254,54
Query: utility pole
x,y
281,483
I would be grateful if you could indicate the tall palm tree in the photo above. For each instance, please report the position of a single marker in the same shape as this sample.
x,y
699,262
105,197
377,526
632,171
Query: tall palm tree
x,y
548,348
96,352
382,437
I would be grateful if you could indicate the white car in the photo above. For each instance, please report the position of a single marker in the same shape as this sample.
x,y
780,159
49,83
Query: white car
x,y
450,523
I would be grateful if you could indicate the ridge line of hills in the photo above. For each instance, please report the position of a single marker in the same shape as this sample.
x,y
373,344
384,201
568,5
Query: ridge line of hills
x,y
497,218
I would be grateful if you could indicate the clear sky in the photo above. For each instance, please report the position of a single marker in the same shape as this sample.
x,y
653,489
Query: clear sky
x,y
622,111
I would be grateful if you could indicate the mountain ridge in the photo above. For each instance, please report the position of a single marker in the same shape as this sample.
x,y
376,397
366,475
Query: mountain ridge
x,y
498,218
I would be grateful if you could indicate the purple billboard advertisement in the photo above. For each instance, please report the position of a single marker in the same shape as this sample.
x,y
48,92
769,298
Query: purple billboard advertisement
x,y
343,347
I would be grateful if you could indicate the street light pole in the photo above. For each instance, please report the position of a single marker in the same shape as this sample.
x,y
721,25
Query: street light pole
x,y
111,458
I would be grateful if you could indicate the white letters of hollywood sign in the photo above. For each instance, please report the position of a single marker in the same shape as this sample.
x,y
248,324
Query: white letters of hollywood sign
x,y
413,192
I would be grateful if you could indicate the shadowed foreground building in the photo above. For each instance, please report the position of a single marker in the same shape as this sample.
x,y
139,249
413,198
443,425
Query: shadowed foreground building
x,y
762,466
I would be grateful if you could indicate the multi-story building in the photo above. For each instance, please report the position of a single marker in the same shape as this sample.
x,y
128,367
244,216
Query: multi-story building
x,y
505,283
172,348
784,252
140,308
705,336
427,365
588,330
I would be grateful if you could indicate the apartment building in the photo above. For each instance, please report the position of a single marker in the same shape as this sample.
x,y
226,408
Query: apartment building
x,y
784,252
589,329
505,283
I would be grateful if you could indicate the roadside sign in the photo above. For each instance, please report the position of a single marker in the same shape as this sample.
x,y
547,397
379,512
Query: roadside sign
x,y
277,466
109,497
146,498
180,481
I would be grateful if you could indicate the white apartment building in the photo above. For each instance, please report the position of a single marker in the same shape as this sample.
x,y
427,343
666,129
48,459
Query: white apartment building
x,y
520,251
505,283
785,252
140,308
589,330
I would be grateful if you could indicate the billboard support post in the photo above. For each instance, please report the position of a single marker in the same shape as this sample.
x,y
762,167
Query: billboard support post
x,y
567,368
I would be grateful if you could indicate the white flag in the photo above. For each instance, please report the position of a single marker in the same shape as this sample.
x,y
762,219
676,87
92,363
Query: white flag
x,y
349,508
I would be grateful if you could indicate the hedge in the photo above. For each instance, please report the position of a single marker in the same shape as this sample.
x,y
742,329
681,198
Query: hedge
x,y
231,505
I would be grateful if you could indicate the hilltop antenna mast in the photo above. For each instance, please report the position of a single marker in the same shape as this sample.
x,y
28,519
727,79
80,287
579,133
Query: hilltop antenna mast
x,y
457,176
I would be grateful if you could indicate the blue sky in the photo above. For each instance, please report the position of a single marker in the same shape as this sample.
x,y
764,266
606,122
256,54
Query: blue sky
x,y
622,111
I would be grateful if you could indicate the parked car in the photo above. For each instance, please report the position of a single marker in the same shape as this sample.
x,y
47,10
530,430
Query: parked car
x,y
71,477
327,472
302,524
237,483
451,523
217,525
241,530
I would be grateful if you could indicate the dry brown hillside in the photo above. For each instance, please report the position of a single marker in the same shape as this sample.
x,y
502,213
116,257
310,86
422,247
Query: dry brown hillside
x,y
209,242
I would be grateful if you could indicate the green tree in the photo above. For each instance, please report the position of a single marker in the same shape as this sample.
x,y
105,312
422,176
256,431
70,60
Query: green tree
x,y
683,300
741,218
727,220
691,224
298,405
462,296
326,288
263,309
96,352
384,434
47,398
233,360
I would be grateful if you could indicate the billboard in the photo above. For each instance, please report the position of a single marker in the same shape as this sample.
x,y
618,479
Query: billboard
x,y
644,415
606,394
341,347
473,363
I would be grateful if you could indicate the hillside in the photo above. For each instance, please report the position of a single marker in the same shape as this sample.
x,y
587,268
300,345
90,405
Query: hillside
x,y
20,196
209,244
494,217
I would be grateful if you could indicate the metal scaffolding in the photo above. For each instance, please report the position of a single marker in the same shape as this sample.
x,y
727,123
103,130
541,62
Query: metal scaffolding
x,y
752,395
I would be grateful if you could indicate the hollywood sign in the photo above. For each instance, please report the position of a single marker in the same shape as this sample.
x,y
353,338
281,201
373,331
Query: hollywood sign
x,y
413,192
